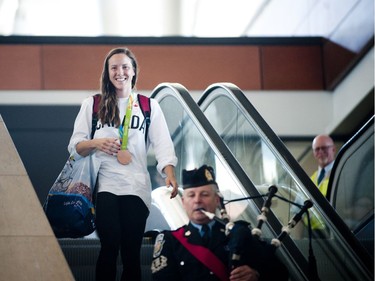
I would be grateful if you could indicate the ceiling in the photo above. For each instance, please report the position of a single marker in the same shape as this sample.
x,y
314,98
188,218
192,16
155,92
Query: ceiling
x,y
349,23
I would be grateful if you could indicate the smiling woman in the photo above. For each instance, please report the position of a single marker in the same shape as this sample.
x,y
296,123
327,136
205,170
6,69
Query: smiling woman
x,y
119,147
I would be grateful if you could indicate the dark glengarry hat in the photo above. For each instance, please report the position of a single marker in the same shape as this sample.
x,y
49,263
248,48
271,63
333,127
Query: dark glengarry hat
x,y
198,177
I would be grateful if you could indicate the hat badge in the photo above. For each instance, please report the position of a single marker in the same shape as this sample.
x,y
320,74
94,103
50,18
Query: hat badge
x,y
208,175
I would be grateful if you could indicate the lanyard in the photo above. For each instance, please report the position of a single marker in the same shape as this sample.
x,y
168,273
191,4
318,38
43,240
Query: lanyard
x,y
124,128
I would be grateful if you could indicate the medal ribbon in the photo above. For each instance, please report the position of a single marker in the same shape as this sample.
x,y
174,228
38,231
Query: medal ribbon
x,y
124,128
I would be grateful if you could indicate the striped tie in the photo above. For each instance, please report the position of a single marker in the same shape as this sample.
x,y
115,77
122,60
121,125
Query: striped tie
x,y
321,176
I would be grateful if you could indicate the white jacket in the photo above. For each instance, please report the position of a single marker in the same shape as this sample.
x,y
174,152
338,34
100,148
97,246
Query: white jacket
x,y
131,179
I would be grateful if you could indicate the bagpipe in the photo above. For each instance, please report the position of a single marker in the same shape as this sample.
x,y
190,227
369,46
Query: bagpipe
x,y
243,239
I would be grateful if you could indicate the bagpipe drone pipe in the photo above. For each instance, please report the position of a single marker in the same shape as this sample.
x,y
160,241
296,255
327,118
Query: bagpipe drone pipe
x,y
247,247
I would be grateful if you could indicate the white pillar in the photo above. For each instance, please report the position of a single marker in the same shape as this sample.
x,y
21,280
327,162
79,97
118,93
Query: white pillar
x,y
171,16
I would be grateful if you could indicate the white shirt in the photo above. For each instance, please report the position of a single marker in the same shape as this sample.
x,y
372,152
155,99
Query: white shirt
x,y
131,179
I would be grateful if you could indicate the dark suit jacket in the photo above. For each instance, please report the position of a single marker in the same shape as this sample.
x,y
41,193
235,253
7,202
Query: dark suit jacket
x,y
173,262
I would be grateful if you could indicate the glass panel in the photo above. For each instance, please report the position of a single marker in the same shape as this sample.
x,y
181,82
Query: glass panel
x,y
255,155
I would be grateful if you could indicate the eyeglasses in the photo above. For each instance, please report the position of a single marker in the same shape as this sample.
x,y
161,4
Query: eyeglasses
x,y
322,148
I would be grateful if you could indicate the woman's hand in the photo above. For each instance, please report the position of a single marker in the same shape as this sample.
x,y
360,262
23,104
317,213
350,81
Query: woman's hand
x,y
108,145
171,180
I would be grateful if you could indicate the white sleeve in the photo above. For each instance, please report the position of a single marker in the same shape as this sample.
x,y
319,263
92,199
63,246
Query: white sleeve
x,y
160,138
82,124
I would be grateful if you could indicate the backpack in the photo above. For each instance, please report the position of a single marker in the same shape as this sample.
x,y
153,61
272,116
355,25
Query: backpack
x,y
144,104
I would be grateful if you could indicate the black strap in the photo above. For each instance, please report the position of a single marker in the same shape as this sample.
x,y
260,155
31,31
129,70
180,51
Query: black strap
x,y
144,104
95,109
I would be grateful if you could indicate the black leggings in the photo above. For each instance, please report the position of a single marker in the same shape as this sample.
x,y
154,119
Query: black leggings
x,y
120,222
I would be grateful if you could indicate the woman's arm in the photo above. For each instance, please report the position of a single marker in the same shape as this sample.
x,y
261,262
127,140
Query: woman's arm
x,y
80,139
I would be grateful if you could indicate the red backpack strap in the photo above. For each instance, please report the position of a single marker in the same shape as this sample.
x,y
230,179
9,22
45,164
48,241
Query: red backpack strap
x,y
145,105
95,109
204,255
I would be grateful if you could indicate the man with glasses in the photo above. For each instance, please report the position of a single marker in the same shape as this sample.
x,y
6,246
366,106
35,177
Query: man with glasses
x,y
324,152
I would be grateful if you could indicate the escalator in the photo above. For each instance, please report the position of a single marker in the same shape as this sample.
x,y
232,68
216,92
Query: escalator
x,y
266,161
240,147
248,158
196,143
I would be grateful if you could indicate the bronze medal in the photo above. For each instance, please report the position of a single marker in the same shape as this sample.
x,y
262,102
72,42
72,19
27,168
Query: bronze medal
x,y
124,157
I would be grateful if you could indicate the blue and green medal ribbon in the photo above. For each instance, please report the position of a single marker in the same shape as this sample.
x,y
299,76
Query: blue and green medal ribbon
x,y
124,128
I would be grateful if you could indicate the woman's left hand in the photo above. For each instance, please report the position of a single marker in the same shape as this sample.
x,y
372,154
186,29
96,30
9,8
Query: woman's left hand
x,y
171,180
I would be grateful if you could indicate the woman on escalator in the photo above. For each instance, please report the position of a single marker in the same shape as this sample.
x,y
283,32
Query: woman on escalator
x,y
120,144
